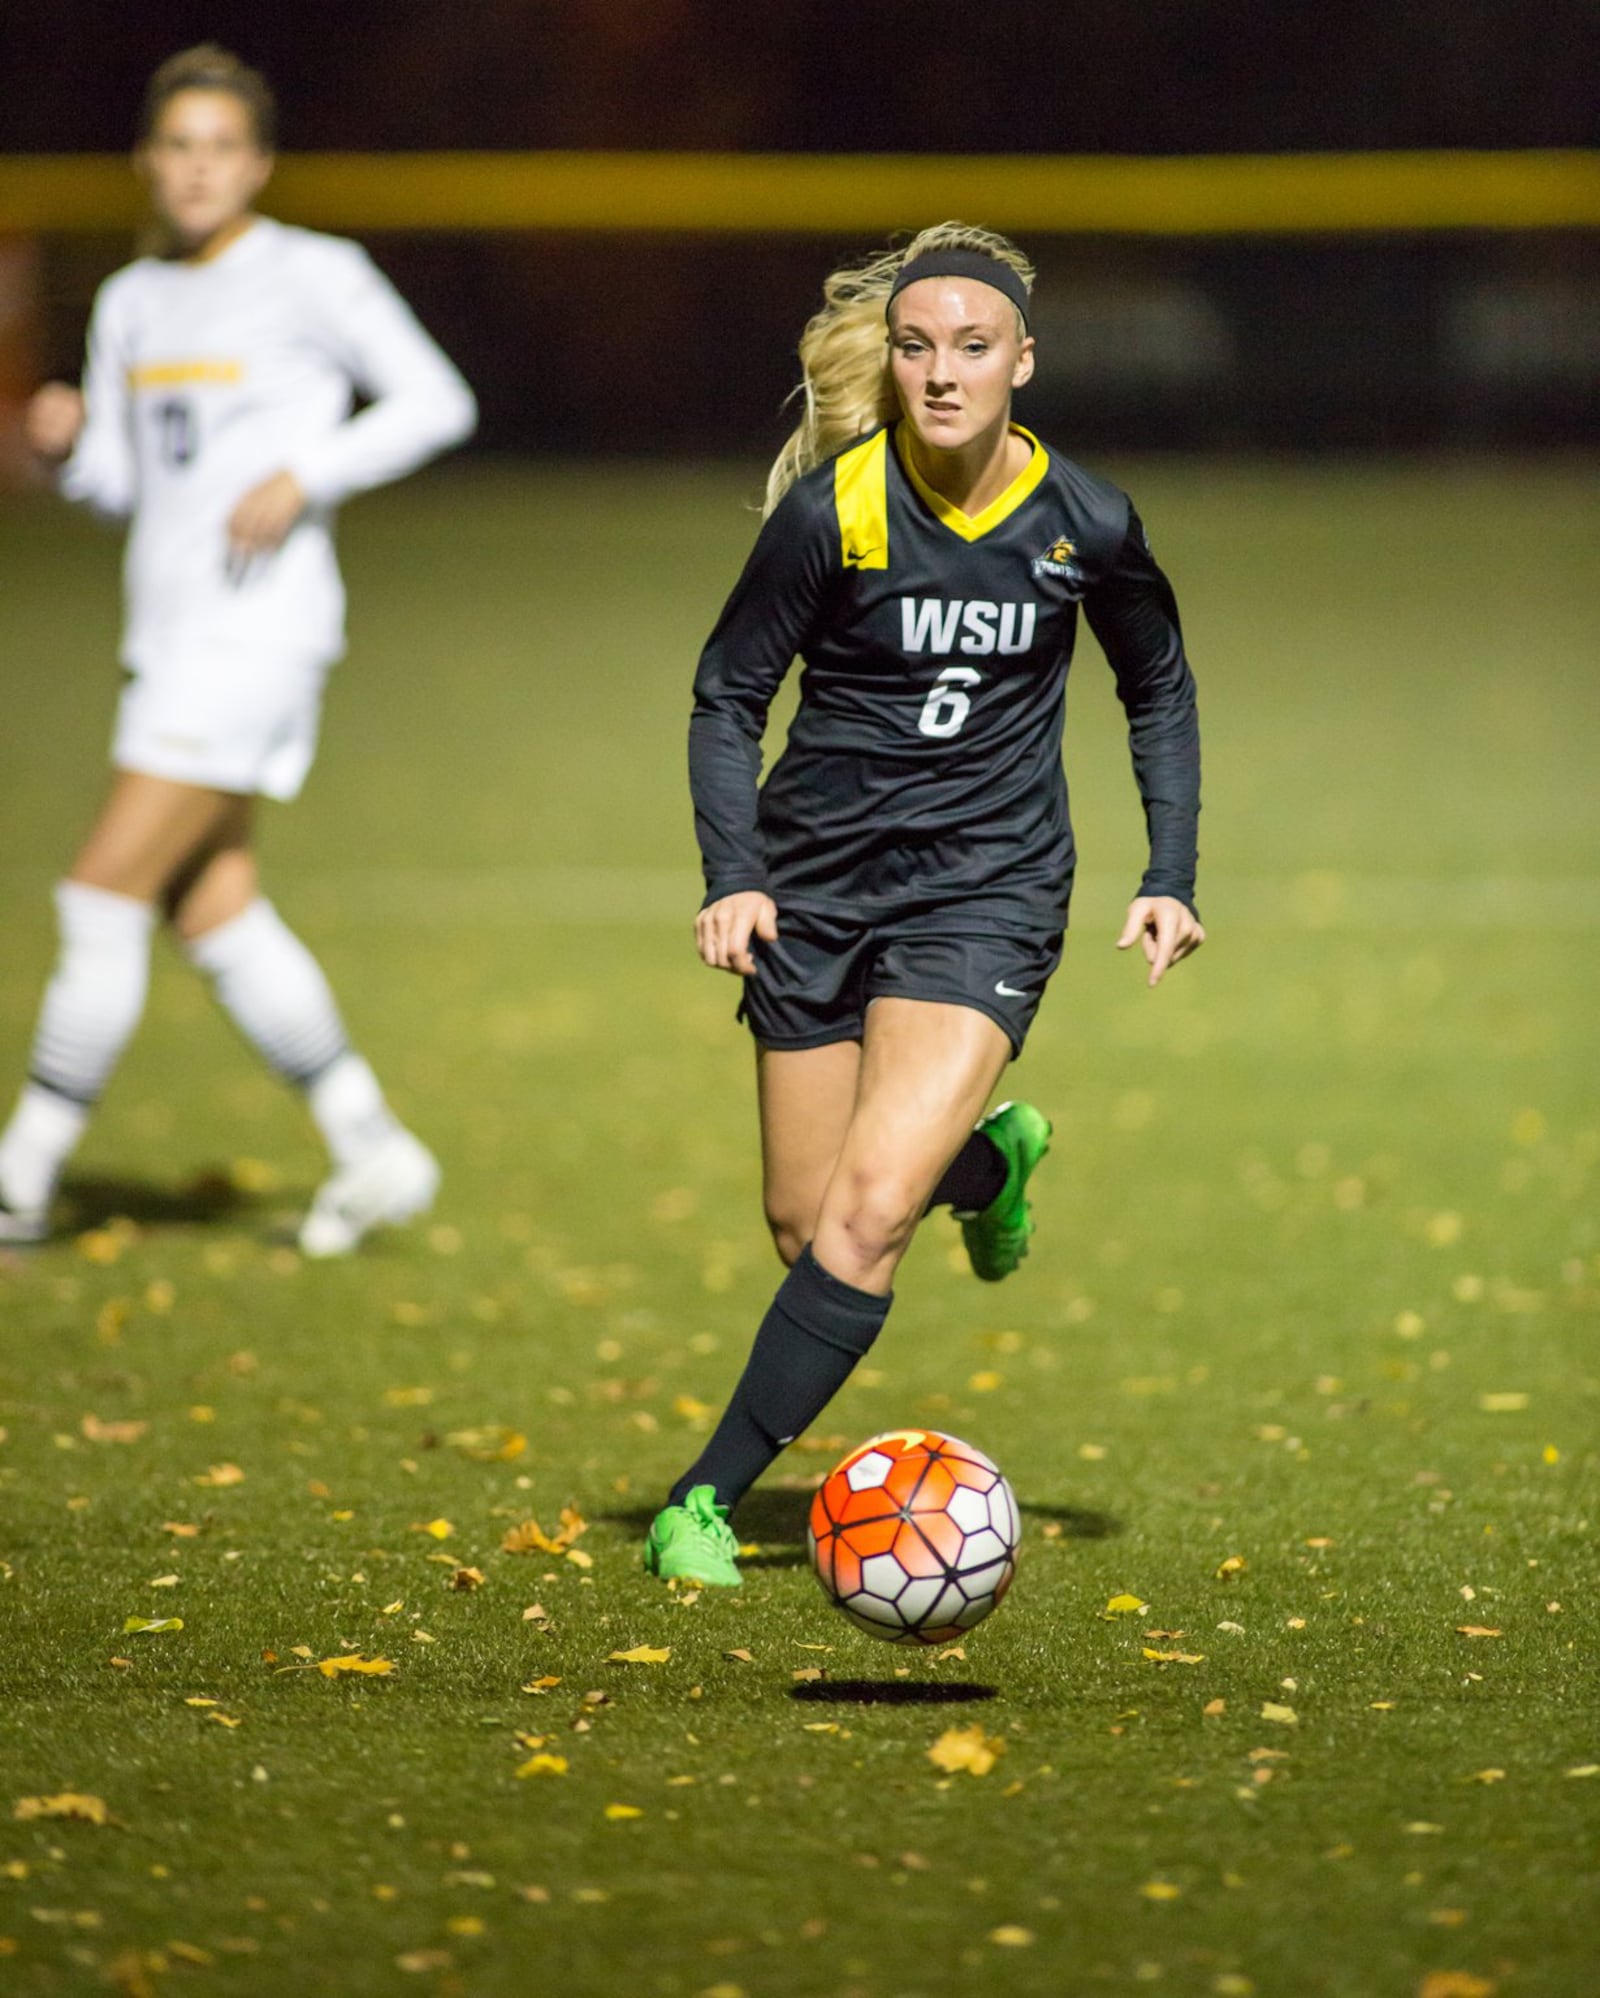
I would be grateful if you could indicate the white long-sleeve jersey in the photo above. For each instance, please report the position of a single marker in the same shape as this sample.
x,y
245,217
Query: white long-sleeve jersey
x,y
205,379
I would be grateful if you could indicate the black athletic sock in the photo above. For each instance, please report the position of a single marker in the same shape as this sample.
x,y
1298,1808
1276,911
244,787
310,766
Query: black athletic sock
x,y
973,1178
815,1330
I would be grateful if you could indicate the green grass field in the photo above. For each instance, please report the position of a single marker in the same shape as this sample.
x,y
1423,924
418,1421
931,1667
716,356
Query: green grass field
x,y
1316,1286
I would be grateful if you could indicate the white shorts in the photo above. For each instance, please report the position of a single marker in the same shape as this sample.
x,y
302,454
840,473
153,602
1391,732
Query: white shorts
x,y
230,721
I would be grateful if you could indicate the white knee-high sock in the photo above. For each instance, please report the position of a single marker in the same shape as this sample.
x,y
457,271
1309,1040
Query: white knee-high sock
x,y
273,990
90,1008
277,996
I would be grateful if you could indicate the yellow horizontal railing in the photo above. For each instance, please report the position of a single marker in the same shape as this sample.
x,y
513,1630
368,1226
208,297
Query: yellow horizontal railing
x,y
864,194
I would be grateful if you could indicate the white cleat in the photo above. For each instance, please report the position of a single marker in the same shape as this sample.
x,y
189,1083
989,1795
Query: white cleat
x,y
19,1225
395,1182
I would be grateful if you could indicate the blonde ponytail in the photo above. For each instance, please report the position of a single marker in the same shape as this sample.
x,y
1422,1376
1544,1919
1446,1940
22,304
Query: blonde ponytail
x,y
845,386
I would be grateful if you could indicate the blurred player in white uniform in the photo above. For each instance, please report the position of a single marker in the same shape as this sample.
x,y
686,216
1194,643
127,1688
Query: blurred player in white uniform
x,y
216,416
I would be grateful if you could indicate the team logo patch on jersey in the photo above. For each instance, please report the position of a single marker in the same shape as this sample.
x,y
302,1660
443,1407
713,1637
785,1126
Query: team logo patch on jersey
x,y
1059,560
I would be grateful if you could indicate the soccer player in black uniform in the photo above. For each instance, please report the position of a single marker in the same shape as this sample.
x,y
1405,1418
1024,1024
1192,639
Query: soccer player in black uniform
x,y
894,896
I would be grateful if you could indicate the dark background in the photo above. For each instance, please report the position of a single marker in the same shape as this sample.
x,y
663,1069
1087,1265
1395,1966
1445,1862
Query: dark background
x,y
627,344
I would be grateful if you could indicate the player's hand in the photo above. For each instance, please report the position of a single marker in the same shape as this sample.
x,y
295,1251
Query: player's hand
x,y
722,930
52,420
261,520
1167,929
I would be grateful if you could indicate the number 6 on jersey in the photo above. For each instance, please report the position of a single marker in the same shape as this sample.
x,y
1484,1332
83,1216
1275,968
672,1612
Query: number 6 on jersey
x,y
946,709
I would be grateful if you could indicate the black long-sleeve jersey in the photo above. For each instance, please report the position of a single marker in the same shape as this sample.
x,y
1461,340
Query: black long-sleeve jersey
x,y
923,766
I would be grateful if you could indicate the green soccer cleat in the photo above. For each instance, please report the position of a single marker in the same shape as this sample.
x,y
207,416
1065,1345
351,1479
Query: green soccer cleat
x,y
693,1542
997,1235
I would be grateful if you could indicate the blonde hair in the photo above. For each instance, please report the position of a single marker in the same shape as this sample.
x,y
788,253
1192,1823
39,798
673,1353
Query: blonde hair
x,y
845,384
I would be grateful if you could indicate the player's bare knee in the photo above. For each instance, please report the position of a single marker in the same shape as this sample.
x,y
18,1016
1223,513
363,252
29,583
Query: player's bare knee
x,y
221,886
789,1237
873,1217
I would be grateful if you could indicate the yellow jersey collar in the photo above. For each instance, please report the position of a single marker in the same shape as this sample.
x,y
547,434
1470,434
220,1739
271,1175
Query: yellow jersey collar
x,y
973,526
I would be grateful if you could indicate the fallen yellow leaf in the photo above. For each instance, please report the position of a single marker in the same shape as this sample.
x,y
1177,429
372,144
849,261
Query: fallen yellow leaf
x,y
106,1245
496,1443
1284,1716
1477,1630
220,1474
352,1661
1010,1936
149,1625
466,1579
1502,1404
111,1432
967,1748
807,1673
1125,1605
1160,1890
71,1804
617,1811
742,1656
1174,1657
1585,1769
641,1654
1455,1984
1234,1565
179,1529
544,1765
436,1529
531,1538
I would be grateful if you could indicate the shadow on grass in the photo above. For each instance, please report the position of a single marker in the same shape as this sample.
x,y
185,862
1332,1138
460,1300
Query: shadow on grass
x,y
1075,1524
893,1692
208,1197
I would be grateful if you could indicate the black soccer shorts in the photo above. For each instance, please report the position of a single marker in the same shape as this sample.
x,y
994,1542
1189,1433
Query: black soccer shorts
x,y
814,985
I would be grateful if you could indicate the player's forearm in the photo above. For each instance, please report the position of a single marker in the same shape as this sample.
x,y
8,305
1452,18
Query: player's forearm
x,y
385,442
724,766
1166,761
99,475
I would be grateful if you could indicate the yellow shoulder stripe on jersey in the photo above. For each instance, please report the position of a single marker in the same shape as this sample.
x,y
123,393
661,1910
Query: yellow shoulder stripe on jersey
x,y
973,526
174,374
861,496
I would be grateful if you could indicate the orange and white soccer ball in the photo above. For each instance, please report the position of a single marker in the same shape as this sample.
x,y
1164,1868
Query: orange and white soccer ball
x,y
914,1536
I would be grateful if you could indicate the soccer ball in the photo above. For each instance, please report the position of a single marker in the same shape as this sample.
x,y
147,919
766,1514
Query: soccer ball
x,y
914,1536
